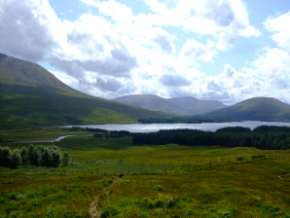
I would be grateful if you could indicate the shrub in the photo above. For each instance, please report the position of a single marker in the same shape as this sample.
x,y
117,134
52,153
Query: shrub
x,y
109,212
158,188
167,202
261,156
61,213
240,158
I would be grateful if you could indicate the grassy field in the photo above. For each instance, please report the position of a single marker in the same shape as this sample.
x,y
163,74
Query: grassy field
x,y
111,178
32,134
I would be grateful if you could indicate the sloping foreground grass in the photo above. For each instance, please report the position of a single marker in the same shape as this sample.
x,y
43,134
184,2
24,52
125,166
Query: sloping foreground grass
x,y
160,181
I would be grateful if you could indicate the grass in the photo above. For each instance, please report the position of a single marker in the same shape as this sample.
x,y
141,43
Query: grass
x,y
103,116
34,134
158,181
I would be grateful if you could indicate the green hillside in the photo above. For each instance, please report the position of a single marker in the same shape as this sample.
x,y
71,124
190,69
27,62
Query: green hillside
x,y
30,95
257,109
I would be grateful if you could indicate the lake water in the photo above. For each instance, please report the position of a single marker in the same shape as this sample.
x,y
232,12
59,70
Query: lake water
x,y
143,128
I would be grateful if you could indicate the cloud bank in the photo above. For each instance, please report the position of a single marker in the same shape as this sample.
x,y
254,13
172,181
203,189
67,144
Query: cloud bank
x,y
113,49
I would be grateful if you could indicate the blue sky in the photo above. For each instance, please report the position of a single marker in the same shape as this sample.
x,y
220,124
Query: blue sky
x,y
226,50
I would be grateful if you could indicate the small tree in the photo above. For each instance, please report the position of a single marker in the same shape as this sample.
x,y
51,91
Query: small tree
x,y
5,156
66,159
25,155
16,159
35,155
56,158
46,158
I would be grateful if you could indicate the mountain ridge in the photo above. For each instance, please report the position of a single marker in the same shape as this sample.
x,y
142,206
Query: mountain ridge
x,y
181,106
254,109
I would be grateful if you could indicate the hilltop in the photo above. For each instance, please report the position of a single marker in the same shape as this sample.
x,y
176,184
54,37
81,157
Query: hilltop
x,y
256,109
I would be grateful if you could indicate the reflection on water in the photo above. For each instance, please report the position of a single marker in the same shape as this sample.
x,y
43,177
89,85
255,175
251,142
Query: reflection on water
x,y
134,128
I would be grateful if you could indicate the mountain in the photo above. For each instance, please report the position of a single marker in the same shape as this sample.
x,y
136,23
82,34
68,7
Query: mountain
x,y
17,72
30,95
256,109
179,106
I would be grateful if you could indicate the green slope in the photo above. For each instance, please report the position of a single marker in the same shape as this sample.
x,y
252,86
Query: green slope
x,y
256,109
30,95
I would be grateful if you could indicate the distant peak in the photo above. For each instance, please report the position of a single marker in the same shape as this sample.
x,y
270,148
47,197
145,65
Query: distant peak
x,y
266,99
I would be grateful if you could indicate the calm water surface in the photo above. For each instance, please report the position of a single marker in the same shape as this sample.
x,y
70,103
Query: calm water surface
x,y
142,128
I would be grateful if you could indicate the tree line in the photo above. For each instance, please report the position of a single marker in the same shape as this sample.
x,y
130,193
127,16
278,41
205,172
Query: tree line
x,y
40,156
264,137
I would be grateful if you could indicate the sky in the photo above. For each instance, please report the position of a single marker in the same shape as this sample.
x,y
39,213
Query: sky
x,y
225,50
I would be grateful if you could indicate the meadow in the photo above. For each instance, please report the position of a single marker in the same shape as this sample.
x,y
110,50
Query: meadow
x,y
110,177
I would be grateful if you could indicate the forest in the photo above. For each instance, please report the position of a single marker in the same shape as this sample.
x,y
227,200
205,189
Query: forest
x,y
264,137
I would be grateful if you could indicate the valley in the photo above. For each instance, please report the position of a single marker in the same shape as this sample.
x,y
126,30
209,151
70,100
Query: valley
x,y
81,172
156,181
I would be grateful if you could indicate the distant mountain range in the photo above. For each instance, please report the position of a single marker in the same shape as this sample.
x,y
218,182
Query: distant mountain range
x,y
30,95
256,109
182,106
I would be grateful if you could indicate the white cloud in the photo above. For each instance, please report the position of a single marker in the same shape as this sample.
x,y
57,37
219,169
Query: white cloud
x,y
115,10
267,75
118,52
278,26
204,17
196,51
23,29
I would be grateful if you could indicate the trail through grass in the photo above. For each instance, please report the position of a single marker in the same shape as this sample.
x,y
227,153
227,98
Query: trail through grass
x,y
95,209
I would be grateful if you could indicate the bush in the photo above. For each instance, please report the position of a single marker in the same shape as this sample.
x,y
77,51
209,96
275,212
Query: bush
x,y
261,156
158,188
167,202
240,158
110,212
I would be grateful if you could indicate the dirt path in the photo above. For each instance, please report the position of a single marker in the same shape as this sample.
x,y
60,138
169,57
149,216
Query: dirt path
x,y
95,206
